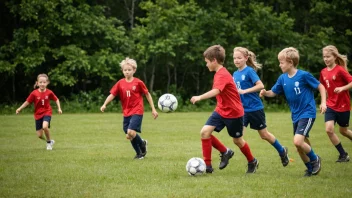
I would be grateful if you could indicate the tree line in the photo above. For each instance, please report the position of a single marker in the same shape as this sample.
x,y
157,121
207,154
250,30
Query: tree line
x,y
80,43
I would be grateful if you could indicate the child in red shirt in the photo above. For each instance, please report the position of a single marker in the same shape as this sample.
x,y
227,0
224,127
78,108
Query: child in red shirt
x,y
228,112
42,110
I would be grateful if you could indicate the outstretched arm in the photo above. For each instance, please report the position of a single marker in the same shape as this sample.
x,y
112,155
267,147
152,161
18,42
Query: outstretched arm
x,y
107,101
151,103
322,92
209,94
58,106
267,93
22,107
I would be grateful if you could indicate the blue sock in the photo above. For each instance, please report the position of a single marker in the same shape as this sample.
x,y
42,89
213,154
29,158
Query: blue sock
x,y
312,156
340,149
309,167
278,147
136,146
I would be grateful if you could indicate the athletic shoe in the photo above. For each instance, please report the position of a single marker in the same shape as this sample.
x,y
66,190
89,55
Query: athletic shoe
x,y
343,158
284,158
225,157
209,169
307,174
49,146
144,148
140,156
253,166
316,164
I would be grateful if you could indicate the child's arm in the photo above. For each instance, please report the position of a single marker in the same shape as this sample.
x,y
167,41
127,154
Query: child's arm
x,y
22,107
322,92
209,94
266,93
107,101
343,88
151,103
258,86
58,106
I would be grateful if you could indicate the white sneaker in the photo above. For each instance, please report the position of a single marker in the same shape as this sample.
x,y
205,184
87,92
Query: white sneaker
x,y
49,146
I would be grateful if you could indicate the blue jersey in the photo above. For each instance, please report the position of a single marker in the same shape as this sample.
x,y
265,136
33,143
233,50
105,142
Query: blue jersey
x,y
299,93
246,79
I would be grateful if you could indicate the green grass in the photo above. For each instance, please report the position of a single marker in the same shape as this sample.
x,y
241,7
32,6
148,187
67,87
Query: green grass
x,y
92,158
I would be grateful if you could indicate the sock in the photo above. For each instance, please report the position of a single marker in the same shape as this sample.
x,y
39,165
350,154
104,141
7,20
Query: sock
x,y
309,166
340,149
136,146
278,147
138,140
206,149
215,142
312,156
49,141
247,152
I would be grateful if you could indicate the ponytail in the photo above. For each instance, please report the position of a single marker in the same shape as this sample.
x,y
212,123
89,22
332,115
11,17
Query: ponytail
x,y
252,62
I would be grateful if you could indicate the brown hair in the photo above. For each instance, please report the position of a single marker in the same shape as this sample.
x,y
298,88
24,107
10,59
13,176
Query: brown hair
x,y
340,59
290,54
252,62
40,75
215,52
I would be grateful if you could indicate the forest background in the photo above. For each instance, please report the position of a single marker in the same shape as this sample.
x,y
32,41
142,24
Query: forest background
x,y
80,43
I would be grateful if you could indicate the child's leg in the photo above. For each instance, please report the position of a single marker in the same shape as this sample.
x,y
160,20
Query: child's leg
x,y
207,143
244,147
269,137
46,130
346,132
216,143
134,141
40,134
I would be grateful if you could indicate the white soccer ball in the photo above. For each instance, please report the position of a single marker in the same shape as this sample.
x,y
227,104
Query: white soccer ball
x,y
195,166
167,103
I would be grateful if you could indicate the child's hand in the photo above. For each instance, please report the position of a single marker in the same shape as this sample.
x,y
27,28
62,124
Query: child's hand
x,y
322,108
262,93
338,90
18,111
195,99
102,108
60,111
241,91
155,114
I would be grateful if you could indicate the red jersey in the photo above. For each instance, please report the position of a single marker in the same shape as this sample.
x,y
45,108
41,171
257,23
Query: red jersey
x,y
228,101
41,102
337,77
131,96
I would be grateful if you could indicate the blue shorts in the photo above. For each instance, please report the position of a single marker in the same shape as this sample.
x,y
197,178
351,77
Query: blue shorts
x,y
303,126
234,125
133,122
256,119
39,123
342,118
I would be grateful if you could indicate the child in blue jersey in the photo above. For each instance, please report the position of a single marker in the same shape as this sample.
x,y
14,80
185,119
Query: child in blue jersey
x,y
248,85
298,86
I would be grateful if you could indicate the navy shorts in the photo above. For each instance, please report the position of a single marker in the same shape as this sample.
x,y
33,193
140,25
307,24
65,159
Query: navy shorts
x,y
342,118
234,125
133,122
256,119
303,126
39,123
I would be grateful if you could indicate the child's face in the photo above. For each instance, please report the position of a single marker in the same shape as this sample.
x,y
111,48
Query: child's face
x,y
239,59
329,58
285,65
210,64
42,82
128,71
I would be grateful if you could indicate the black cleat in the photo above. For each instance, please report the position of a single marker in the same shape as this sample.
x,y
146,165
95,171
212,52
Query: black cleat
x,y
209,169
343,158
307,174
316,164
253,166
284,158
140,156
225,157
143,148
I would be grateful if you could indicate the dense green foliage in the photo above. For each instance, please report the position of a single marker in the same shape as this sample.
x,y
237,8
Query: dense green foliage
x,y
92,158
80,43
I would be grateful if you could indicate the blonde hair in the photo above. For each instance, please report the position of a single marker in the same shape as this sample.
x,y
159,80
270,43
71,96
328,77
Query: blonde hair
x,y
128,61
40,75
290,54
340,59
252,59
215,52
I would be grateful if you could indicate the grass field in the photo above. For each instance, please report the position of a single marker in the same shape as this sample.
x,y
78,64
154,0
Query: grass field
x,y
92,158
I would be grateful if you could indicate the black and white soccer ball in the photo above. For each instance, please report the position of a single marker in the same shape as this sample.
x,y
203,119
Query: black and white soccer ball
x,y
195,166
167,103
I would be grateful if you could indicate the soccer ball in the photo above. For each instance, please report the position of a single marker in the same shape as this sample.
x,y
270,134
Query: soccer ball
x,y
195,166
167,103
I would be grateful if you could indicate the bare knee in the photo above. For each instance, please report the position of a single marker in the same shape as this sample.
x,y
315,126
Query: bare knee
x,y
330,131
131,134
344,131
205,132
